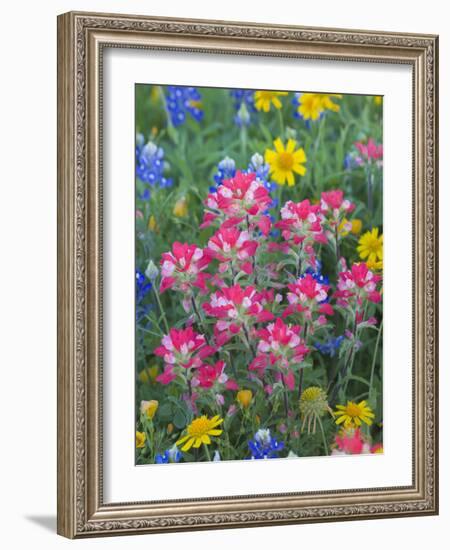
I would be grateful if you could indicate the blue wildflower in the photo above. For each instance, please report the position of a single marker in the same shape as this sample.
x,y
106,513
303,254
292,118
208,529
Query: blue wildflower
x,y
317,274
264,445
244,103
261,170
225,169
143,287
170,455
150,165
330,347
181,100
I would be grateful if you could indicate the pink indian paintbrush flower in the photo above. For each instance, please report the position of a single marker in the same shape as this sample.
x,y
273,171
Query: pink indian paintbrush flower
x,y
181,348
232,246
351,441
301,222
281,348
213,376
356,285
334,206
239,199
183,267
308,296
236,306
369,151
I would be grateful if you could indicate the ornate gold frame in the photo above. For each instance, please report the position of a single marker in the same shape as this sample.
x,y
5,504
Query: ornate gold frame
x,y
81,39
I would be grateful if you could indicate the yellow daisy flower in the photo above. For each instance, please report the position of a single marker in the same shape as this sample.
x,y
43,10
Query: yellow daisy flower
x,y
311,106
198,432
354,414
265,98
327,102
140,440
371,246
284,161
375,266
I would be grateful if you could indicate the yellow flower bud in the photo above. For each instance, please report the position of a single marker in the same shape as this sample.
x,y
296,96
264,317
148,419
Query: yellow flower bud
x,y
143,376
258,420
180,209
152,225
154,131
169,428
356,226
149,374
140,440
153,372
149,408
244,398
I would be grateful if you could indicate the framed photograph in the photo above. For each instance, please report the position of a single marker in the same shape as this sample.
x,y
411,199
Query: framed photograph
x,y
247,283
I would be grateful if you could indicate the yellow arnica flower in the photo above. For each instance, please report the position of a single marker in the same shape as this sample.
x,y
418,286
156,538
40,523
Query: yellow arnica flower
x,y
198,432
180,210
285,160
375,266
311,106
371,246
149,408
244,398
353,414
140,440
265,98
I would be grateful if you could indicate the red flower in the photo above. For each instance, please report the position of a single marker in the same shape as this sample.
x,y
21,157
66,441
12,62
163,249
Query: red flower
x,y
239,198
184,348
308,296
231,245
334,206
210,376
301,222
281,348
182,268
358,284
371,151
351,442
236,305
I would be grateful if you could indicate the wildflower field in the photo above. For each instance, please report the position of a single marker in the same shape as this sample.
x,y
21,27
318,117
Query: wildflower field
x,y
259,261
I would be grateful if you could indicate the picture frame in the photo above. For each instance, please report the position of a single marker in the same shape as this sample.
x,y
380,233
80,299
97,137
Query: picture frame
x,y
82,40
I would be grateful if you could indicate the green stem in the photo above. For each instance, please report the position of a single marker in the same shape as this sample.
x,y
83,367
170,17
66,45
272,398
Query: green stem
x,y
324,440
199,318
161,309
243,136
372,371
208,456
164,102
281,123
285,397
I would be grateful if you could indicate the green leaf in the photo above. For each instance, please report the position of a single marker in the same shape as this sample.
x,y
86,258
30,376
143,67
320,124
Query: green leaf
x,y
179,419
